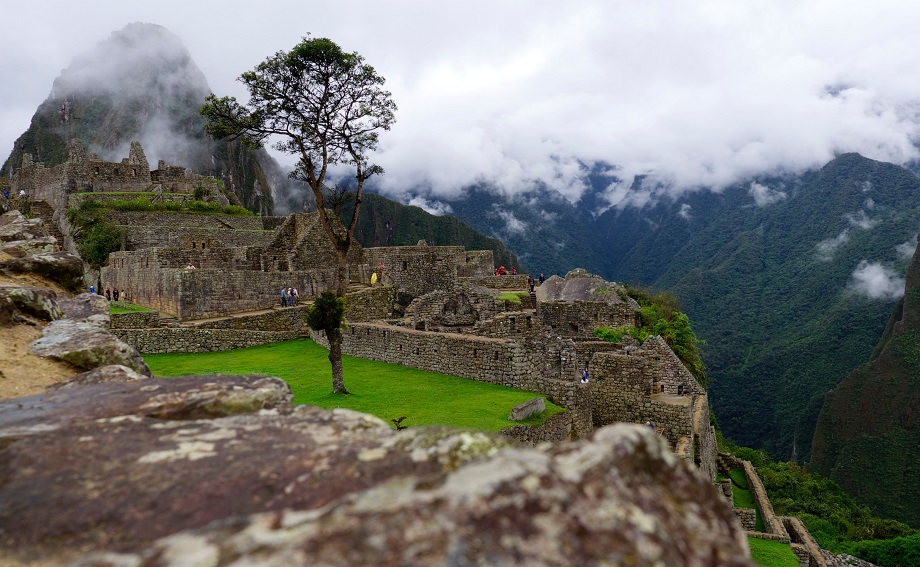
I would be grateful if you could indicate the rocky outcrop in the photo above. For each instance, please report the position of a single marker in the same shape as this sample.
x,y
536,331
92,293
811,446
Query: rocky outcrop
x,y
63,268
101,375
132,468
27,305
86,345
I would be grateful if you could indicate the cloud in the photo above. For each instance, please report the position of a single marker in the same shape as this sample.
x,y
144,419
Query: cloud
x,y
764,196
827,248
875,281
906,249
533,96
861,220
432,207
513,225
684,212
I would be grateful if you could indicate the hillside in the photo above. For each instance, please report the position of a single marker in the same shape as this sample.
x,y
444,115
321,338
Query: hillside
x,y
142,84
765,270
867,438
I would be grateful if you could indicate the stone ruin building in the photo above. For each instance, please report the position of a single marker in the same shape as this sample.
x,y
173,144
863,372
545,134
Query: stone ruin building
x,y
434,308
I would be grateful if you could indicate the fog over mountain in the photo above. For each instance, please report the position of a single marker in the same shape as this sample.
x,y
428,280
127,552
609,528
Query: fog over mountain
x,y
520,96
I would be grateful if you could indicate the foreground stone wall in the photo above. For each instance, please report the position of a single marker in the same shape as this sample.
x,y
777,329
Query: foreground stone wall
x,y
179,220
567,426
371,304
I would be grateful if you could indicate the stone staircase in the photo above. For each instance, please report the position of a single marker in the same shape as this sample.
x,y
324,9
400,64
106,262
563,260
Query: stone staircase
x,y
44,211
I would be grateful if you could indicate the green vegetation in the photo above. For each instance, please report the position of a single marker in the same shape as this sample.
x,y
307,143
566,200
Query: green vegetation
x,y
513,296
659,315
834,519
772,553
96,236
388,391
743,498
143,204
116,307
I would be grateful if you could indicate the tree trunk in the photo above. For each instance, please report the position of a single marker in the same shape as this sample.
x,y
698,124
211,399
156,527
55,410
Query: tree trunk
x,y
335,359
341,275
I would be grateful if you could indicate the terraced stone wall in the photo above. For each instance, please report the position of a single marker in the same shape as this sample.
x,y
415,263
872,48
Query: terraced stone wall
x,y
496,361
153,341
516,282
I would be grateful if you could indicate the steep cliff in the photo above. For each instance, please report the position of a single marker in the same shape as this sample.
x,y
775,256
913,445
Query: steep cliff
x,y
868,436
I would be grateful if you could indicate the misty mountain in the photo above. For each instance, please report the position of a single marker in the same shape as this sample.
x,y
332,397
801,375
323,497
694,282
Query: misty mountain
x,y
788,279
141,84
867,438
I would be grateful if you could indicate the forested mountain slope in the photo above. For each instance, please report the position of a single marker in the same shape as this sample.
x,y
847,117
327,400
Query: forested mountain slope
x,y
774,288
867,438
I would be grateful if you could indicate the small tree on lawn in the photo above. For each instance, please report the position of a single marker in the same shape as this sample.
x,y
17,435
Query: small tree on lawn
x,y
326,107
327,314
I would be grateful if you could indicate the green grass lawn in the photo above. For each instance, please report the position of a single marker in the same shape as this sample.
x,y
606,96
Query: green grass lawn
x,y
743,498
388,391
116,307
772,553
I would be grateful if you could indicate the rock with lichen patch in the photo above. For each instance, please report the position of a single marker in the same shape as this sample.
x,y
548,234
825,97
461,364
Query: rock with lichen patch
x,y
101,375
27,305
89,307
86,345
63,268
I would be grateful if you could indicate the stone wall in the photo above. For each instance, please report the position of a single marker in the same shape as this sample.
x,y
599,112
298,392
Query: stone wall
x,y
417,270
567,426
771,521
475,263
580,318
140,320
292,319
516,282
514,325
371,304
460,306
747,517
223,222
152,341
200,293
804,546
673,377
150,236
496,361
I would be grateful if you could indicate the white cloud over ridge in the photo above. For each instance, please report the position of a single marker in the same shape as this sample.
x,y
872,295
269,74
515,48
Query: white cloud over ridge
x,y
875,281
764,196
525,94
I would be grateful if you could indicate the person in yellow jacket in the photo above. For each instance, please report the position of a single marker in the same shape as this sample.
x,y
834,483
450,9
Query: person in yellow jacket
x,y
373,278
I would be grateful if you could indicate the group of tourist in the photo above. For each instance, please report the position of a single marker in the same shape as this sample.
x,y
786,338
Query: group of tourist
x,y
111,294
289,296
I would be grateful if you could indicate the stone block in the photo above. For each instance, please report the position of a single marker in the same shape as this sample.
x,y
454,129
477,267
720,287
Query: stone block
x,y
523,411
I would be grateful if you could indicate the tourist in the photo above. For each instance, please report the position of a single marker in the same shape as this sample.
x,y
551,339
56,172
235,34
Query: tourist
x,y
22,192
6,193
108,294
92,289
295,295
124,295
513,271
584,376
283,297
115,294
530,283
374,278
542,279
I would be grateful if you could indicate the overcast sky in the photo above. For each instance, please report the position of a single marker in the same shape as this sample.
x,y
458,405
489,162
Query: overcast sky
x,y
512,92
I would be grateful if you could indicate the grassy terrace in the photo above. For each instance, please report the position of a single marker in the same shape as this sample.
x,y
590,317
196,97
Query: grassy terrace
x,y
772,553
388,391
742,497
116,307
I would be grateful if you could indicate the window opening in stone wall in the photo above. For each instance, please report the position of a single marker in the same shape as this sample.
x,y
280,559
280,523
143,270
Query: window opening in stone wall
x,y
194,245
96,172
416,351
475,353
405,265
496,355
115,171
134,172
573,327
680,389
